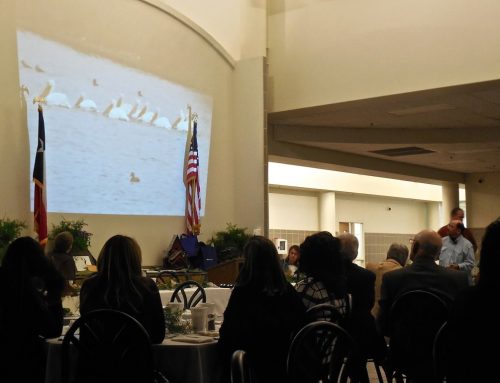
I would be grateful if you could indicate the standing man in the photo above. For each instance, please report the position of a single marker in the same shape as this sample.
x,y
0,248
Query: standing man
x,y
397,255
458,214
361,324
457,252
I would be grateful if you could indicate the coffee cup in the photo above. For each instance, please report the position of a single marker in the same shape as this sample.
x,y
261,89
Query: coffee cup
x,y
199,316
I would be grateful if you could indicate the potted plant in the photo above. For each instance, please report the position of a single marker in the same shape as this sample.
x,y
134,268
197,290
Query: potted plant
x,y
229,243
10,229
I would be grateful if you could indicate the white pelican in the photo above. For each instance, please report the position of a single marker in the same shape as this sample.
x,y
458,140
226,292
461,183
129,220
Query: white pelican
x,y
86,103
54,98
114,112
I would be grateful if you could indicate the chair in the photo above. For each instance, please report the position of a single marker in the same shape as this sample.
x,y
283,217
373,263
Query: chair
x,y
324,312
414,319
180,295
440,354
164,275
241,369
319,352
107,346
330,313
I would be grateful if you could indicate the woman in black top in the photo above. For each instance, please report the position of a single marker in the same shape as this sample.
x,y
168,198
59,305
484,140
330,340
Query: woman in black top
x,y
120,285
30,310
263,312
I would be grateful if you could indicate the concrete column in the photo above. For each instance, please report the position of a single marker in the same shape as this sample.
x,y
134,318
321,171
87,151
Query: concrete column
x,y
450,199
327,212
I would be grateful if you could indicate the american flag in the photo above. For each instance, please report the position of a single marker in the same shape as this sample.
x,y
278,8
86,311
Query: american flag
x,y
39,208
193,199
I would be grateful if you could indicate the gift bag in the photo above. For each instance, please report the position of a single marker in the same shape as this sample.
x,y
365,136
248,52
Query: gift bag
x,y
175,258
189,243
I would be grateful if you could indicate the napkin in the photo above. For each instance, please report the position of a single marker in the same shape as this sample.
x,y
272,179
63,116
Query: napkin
x,y
193,338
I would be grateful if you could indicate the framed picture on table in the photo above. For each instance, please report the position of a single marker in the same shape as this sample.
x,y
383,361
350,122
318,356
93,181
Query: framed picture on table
x,y
82,262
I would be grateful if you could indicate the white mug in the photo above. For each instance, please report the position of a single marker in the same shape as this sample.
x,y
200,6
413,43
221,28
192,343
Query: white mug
x,y
199,317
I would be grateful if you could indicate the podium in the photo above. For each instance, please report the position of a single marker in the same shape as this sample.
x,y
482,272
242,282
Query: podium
x,y
225,272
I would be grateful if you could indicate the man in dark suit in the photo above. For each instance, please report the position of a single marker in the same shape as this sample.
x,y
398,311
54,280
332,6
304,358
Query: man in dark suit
x,y
413,333
361,324
422,274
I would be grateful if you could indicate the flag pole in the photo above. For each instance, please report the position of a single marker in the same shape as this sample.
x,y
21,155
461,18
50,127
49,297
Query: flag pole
x,y
40,201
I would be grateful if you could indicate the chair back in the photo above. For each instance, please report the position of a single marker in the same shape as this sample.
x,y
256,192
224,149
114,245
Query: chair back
x,y
241,370
180,294
164,275
440,354
324,312
414,319
319,352
106,346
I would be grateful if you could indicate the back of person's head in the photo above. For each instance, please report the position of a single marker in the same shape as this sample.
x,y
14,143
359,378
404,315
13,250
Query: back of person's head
x,y
320,258
398,252
25,262
427,244
262,268
349,246
119,266
63,242
25,258
120,256
489,263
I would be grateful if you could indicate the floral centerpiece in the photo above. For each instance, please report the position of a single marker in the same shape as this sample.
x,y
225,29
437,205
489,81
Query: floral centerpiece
x,y
173,321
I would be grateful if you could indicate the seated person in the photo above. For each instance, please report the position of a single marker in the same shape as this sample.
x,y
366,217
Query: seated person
x,y
263,312
119,285
30,310
291,263
325,280
61,257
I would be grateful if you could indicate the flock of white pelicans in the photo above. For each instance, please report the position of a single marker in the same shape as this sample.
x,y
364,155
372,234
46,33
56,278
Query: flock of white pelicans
x,y
117,109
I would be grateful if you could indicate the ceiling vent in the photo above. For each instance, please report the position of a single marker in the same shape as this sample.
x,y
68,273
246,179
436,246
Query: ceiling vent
x,y
406,151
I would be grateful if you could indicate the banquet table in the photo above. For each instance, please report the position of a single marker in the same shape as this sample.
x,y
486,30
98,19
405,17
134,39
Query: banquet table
x,y
218,295
179,362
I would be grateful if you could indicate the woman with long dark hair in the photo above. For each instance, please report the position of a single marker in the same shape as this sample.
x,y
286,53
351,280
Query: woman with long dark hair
x,y
119,285
262,314
30,310
322,263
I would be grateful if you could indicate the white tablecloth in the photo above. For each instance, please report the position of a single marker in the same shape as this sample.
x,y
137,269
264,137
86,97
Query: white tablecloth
x,y
219,296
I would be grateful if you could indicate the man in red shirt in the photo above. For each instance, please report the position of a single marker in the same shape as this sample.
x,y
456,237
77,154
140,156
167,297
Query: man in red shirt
x,y
458,214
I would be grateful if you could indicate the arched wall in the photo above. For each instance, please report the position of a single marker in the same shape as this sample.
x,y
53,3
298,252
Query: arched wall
x,y
139,34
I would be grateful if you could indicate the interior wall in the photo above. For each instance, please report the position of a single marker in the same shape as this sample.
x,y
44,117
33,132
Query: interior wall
x,y
382,215
323,52
14,167
483,199
290,210
238,25
248,143
299,210
131,32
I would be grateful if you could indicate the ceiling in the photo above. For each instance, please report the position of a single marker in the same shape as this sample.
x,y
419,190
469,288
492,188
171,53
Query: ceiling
x,y
452,130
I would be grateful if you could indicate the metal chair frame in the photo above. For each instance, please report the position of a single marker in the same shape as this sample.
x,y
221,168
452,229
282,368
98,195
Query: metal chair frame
x,y
179,294
112,343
